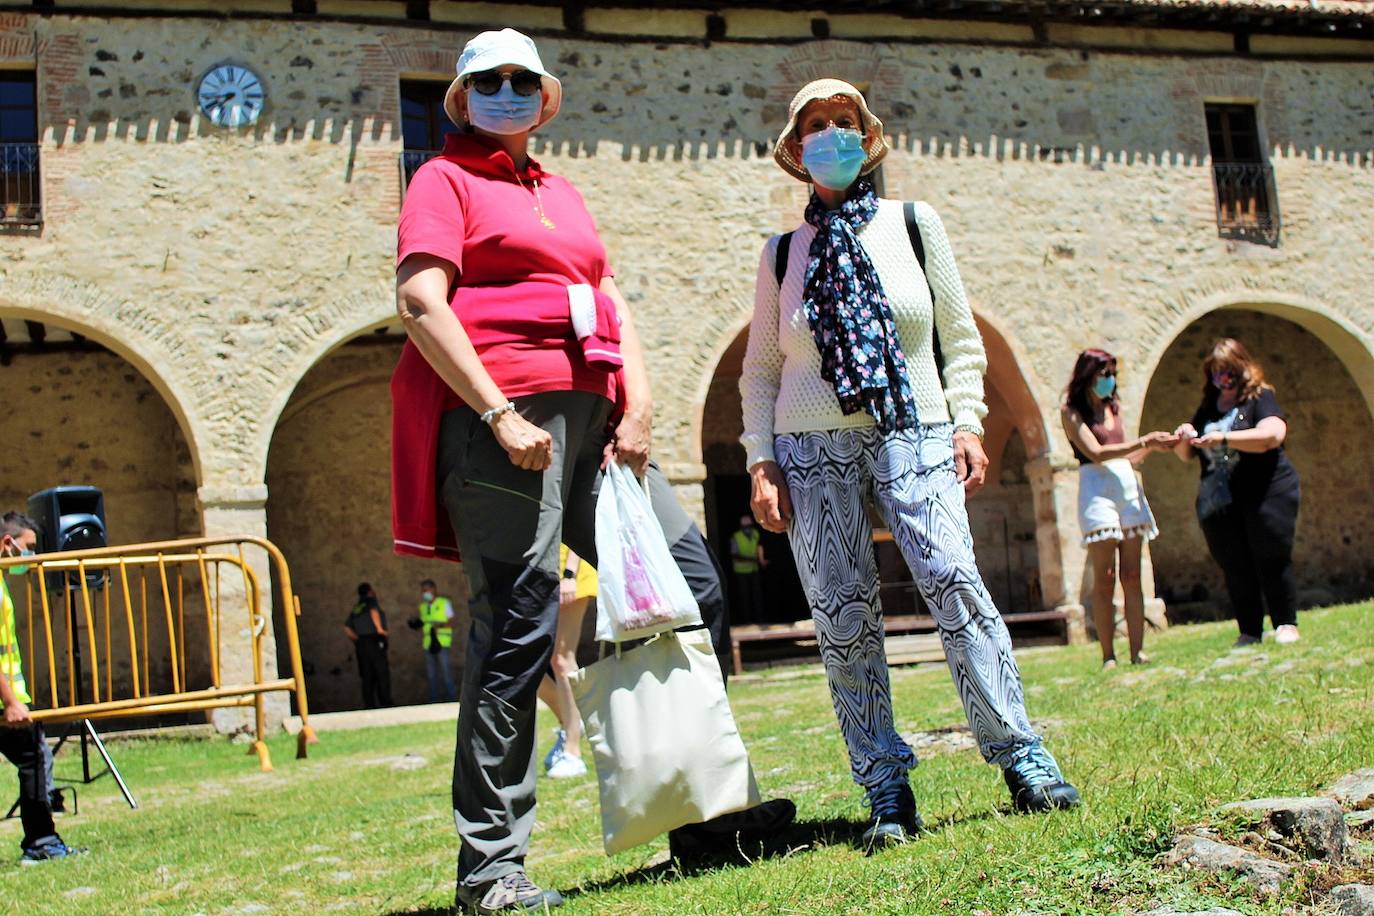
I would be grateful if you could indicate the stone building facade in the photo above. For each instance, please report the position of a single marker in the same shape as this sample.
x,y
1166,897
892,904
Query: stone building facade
x,y
231,289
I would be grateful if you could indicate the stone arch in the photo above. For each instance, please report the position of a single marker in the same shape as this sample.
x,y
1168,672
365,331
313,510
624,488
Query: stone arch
x,y
307,337
146,341
81,411
726,337
1347,340
328,508
1324,373
1015,517
1009,369
1018,508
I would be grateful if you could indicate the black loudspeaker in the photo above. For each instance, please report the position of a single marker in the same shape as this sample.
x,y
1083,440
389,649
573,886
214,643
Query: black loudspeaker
x,y
69,518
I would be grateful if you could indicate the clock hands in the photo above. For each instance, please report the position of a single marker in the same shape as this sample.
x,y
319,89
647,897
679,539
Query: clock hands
x,y
231,96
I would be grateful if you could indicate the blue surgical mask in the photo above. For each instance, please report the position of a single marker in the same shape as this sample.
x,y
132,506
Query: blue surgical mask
x,y
1104,385
506,112
834,156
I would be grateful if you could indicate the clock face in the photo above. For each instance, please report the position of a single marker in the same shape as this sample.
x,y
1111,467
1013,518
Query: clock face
x,y
231,96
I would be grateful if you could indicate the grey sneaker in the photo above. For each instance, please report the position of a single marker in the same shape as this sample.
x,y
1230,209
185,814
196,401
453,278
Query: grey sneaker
x,y
513,893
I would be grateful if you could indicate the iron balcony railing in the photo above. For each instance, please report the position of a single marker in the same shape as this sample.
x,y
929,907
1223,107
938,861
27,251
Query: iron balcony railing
x,y
411,160
21,197
1245,201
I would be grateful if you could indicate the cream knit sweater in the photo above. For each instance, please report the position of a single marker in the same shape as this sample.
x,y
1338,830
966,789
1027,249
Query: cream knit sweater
x,y
781,385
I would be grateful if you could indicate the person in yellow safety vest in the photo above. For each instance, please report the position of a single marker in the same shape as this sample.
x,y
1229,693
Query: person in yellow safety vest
x,y
747,561
22,739
436,619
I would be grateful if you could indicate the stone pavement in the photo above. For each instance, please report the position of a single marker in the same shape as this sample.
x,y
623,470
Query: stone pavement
x,y
350,720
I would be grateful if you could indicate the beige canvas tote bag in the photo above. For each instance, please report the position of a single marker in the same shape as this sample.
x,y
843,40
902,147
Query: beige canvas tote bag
x,y
666,746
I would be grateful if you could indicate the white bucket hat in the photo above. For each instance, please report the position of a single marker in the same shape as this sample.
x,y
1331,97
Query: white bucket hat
x,y
489,50
824,89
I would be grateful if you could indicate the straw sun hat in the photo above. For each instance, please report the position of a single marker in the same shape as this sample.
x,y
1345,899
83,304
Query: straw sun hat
x,y
825,89
489,50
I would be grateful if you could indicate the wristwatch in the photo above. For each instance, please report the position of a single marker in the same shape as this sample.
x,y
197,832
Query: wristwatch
x,y
569,574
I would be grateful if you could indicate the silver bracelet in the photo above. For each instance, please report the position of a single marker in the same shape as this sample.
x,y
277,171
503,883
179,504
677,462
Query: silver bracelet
x,y
489,415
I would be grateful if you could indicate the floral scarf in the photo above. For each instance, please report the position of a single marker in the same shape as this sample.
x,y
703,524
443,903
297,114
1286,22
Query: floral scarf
x,y
861,355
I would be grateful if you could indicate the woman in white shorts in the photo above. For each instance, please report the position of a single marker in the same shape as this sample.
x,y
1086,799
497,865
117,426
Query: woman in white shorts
x,y
1112,511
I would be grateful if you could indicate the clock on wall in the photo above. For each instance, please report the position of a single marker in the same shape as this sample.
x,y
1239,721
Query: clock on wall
x,y
231,95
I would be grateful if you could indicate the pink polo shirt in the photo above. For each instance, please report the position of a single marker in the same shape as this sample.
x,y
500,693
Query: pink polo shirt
x,y
469,207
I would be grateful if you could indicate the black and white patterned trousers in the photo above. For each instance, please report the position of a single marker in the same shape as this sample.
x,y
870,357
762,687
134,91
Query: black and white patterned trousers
x,y
831,475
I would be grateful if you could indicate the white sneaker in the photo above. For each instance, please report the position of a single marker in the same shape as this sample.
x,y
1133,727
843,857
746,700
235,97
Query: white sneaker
x,y
1288,633
566,766
559,737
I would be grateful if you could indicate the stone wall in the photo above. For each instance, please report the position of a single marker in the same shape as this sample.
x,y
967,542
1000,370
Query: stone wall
x,y
1074,182
87,417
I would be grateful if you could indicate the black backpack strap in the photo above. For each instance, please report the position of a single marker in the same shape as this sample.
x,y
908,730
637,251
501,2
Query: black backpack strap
x,y
913,231
780,259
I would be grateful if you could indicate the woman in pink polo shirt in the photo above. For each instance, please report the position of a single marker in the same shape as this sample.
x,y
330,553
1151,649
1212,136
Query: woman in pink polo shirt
x,y
500,423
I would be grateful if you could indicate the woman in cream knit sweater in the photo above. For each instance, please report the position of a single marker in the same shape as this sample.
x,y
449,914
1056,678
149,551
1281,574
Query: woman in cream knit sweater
x,y
845,401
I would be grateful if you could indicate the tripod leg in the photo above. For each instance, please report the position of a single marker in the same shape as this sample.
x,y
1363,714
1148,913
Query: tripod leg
x,y
86,776
66,733
89,730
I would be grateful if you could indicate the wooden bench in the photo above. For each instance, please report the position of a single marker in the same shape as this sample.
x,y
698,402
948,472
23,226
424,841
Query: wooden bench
x,y
905,623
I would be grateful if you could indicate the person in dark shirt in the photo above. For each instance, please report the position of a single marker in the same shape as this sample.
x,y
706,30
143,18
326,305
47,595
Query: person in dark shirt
x,y
1249,494
366,627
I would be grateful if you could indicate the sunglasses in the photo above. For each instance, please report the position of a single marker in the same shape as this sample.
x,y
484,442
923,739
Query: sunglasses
x,y
488,82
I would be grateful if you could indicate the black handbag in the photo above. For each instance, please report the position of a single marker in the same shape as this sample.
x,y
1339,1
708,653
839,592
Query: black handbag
x,y
1214,492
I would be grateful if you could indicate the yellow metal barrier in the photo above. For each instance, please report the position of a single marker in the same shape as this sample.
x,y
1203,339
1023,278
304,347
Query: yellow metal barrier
x,y
104,633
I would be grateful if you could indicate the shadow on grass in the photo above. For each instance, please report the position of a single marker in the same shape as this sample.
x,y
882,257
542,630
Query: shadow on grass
x,y
799,837
968,817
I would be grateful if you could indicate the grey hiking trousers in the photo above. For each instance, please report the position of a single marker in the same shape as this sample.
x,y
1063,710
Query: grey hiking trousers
x,y
509,524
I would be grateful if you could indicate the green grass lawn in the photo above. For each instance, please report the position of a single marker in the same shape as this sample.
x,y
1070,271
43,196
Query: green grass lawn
x,y
362,827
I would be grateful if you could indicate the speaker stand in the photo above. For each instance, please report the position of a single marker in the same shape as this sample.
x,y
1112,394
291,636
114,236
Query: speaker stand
x,y
89,736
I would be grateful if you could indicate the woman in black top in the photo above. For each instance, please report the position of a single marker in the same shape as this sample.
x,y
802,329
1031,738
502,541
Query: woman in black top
x,y
1249,495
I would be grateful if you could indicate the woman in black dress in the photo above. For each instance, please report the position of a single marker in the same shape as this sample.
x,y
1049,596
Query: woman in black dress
x,y
1249,495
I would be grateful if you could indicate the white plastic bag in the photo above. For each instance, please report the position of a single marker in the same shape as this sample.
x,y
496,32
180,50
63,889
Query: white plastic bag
x,y
667,750
640,590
